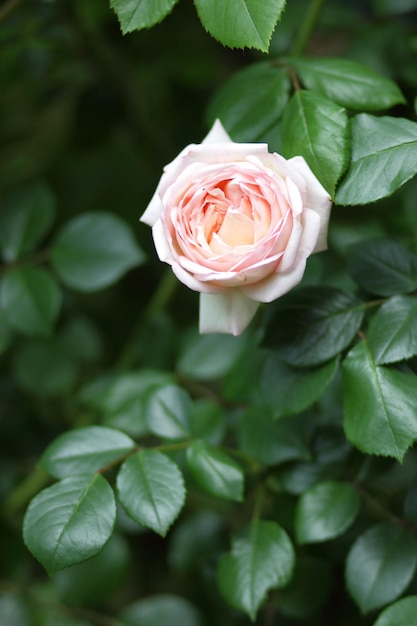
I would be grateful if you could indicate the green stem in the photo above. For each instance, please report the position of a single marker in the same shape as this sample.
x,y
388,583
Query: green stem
x,y
307,27
158,302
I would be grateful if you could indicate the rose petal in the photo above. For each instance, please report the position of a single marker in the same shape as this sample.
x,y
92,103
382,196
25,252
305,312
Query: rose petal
x,y
154,209
279,283
217,134
229,312
317,199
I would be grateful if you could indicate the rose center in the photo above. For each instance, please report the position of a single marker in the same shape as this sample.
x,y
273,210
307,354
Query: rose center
x,y
230,215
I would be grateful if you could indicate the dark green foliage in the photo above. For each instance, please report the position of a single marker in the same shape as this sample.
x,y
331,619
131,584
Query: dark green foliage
x,y
164,477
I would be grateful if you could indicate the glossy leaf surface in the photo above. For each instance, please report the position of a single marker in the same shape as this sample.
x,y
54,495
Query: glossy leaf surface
x,y
262,558
380,565
151,489
70,521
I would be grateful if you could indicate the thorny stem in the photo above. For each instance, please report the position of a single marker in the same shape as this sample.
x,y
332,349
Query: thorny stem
x,y
307,27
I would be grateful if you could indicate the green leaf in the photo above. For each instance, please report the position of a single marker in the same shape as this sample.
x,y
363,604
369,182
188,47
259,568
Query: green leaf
x,y
271,442
85,450
137,14
251,101
208,421
383,267
313,324
161,609
94,250
25,220
151,489
379,405
262,558
391,332
380,565
325,511
384,156
124,400
318,130
209,357
348,83
215,471
70,521
168,411
401,613
31,300
43,368
240,23
287,390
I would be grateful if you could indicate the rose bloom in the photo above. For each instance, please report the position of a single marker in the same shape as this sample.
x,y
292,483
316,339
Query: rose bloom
x,y
237,223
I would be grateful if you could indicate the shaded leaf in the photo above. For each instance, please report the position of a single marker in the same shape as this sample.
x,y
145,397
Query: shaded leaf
x,y
94,250
391,333
380,565
287,390
325,511
350,84
24,220
313,324
251,101
318,130
271,442
379,405
215,471
151,489
31,300
401,613
384,155
161,609
383,267
209,357
85,450
262,558
44,369
70,521
168,411
123,401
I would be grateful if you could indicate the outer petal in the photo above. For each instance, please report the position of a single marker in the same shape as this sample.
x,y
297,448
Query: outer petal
x,y
276,285
217,134
317,199
154,209
229,312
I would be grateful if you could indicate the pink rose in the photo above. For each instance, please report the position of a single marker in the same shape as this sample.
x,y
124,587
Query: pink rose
x,y
237,223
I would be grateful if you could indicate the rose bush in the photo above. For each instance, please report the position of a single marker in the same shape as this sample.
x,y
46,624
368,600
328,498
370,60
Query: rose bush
x,y
237,224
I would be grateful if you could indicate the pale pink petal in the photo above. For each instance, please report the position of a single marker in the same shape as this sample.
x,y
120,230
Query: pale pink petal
x,y
229,312
276,285
192,282
217,134
154,209
162,245
317,199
